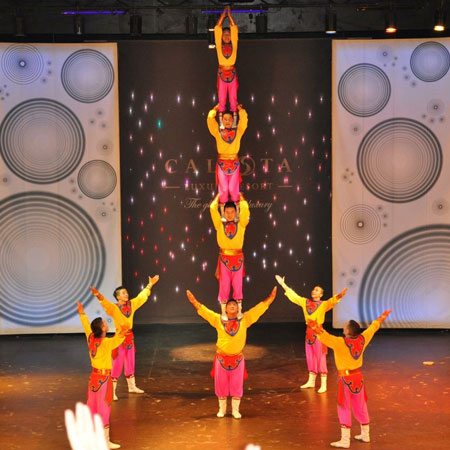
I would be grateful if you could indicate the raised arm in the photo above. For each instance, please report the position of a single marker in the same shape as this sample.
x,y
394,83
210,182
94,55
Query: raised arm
x,y
215,215
243,120
222,17
244,215
333,301
106,304
230,17
210,316
253,314
84,320
211,121
326,338
143,296
291,294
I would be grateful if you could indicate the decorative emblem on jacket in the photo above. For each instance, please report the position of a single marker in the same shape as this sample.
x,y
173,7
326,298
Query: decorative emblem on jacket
x,y
125,309
227,49
230,229
232,262
355,345
354,382
312,305
96,382
228,135
229,362
231,326
93,344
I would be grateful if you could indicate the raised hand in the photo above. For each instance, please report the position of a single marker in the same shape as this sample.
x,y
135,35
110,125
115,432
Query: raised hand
x,y
383,316
280,280
342,293
193,300
272,296
153,280
80,308
94,291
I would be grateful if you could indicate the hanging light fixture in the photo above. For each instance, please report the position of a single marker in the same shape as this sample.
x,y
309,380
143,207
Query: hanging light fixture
x,y
330,22
211,24
391,21
439,20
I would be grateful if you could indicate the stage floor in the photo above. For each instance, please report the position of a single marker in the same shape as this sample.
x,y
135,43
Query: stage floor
x,y
409,403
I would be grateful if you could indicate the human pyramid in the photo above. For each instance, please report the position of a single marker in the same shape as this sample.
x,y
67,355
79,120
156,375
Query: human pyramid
x,y
230,215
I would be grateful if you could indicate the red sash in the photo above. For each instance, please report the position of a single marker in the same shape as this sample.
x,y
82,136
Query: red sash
x,y
228,362
355,384
227,76
232,262
97,380
128,344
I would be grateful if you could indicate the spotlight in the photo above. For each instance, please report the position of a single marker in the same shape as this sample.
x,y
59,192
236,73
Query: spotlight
x,y
135,25
211,22
19,26
391,22
78,24
330,22
261,23
439,21
191,25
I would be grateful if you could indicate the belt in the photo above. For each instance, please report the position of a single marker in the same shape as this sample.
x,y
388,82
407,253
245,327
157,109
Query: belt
x,y
227,157
218,353
226,67
230,252
344,373
101,371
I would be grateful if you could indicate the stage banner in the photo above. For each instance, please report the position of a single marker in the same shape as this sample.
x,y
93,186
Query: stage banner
x,y
391,216
59,183
168,161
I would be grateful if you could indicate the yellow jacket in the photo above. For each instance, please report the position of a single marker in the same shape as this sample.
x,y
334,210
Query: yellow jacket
x,y
223,61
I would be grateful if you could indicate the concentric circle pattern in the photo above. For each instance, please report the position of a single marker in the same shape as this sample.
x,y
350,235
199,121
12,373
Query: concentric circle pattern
x,y
411,275
41,141
22,63
52,251
430,61
97,179
364,90
360,224
399,160
87,76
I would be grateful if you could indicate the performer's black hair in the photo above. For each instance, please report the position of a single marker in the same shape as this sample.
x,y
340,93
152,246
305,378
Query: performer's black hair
x,y
231,300
229,204
354,328
117,289
226,29
96,327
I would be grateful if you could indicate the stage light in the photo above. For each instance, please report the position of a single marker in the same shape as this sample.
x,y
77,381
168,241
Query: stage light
x,y
391,22
191,25
135,25
261,23
439,21
19,26
78,25
330,22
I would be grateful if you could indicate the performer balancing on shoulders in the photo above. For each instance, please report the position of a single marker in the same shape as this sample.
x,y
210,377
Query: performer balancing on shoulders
x,y
226,40
230,238
313,309
100,348
228,141
229,364
348,356
123,312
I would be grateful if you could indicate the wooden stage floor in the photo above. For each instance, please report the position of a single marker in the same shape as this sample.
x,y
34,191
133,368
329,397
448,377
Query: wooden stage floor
x,y
409,403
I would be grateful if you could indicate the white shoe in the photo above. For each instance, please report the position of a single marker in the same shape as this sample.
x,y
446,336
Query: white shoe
x,y
222,407
323,383
345,439
311,381
114,383
364,436
235,402
108,442
132,386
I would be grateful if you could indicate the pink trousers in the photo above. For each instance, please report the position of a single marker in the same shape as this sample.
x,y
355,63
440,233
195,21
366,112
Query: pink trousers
x,y
229,382
228,185
97,401
228,278
231,89
357,403
316,359
125,357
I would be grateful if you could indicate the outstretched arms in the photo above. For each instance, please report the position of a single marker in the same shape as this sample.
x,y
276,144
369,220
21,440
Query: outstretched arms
x,y
383,316
195,303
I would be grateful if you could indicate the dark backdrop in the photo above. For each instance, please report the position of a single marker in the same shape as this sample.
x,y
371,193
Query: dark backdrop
x,y
167,170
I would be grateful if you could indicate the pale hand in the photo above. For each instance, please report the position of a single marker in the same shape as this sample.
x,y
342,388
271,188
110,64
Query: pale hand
x,y
153,280
280,280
